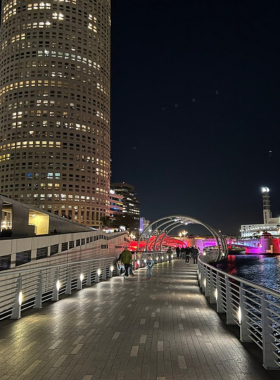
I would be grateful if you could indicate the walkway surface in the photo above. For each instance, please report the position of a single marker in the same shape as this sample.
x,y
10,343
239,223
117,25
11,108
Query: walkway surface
x,y
131,329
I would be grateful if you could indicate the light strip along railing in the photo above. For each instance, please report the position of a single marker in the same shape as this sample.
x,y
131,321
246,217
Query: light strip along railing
x,y
254,308
29,288
140,258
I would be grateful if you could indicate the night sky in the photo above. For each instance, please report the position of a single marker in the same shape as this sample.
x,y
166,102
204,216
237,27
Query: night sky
x,y
195,107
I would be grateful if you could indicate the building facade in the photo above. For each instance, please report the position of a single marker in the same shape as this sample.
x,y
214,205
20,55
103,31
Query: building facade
x,y
116,204
131,205
55,106
270,224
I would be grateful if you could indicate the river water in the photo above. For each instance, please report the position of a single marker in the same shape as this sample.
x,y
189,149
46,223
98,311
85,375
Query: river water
x,y
260,269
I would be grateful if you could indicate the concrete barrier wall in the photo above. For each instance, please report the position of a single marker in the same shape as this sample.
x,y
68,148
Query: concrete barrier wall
x,y
93,245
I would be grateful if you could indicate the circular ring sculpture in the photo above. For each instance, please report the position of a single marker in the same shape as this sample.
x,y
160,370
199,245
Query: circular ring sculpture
x,y
169,223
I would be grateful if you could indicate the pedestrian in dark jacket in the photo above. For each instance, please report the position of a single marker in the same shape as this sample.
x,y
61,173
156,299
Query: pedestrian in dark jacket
x,y
194,252
188,254
127,260
177,252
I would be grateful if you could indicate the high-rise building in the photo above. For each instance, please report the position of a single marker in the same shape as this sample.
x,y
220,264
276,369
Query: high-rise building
x,y
131,205
116,204
55,106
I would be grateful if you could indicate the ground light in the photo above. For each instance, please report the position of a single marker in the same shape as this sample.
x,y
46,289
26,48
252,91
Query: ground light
x,y
239,315
111,268
98,272
57,284
81,277
216,294
20,297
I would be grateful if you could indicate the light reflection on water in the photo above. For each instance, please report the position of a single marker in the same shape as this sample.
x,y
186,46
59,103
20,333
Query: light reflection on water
x,y
260,269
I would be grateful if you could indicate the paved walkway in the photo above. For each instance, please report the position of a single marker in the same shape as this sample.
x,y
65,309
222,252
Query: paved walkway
x,y
131,329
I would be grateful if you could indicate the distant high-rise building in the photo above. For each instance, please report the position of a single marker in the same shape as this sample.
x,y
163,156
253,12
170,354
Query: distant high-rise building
x,y
116,204
55,106
131,205
143,225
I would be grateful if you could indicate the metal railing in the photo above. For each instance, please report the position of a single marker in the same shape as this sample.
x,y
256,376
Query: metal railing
x,y
23,289
29,288
254,308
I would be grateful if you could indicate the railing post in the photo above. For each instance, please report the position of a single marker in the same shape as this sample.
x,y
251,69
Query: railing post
x,y
207,283
199,273
243,316
230,320
267,336
202,277
219,295
55,295
39,292
68,281
111,270
104,274
97,274
212,290
88,283
80,279
16,313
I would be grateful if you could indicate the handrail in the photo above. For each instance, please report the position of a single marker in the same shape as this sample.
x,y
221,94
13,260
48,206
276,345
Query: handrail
x,y
240,279
16,271
254,308
22,289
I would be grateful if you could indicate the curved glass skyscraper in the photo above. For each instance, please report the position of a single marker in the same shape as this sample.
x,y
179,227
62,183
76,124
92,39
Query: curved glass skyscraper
x,y
55,105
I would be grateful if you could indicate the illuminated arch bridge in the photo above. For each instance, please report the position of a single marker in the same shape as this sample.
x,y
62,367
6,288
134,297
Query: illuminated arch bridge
x,y
155,236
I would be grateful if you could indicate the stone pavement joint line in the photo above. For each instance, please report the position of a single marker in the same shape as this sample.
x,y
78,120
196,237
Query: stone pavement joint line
x,y
162,329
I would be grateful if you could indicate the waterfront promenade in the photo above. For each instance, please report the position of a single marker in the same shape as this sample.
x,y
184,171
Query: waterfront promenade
x,y
131,329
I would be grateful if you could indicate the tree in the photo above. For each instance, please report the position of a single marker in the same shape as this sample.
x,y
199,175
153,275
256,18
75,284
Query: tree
x,y
106,221
125,220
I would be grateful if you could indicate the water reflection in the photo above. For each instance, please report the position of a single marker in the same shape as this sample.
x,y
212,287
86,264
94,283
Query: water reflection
x,y
260,269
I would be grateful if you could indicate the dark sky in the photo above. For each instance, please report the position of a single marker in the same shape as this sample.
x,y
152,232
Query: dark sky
x,y
195,89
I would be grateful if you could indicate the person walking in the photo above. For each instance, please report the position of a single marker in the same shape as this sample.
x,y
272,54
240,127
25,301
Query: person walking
x,y
150,264
126,258
177,252
194,254
188,254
